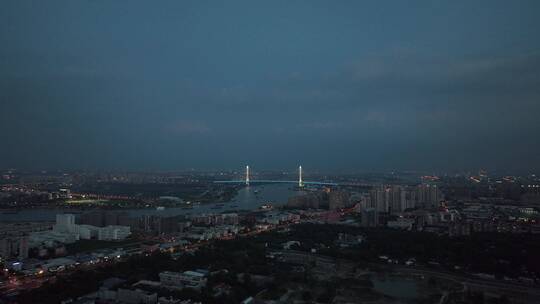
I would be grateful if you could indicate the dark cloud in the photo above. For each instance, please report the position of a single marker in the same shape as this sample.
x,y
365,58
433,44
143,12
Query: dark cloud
x,y
365,86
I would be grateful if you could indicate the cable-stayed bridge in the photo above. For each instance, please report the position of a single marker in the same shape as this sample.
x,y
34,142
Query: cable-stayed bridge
x,y
300,182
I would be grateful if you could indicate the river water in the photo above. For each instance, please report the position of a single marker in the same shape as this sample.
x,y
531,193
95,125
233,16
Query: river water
x,y
248,198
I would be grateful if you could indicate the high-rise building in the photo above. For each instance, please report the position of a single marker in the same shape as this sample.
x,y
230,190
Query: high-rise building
x,y
102,218
338,200
411,199
6,248
370,217
64,222
396,199
14,246
94,218
378,199
23,247
168,225
429,195
125,220
113,233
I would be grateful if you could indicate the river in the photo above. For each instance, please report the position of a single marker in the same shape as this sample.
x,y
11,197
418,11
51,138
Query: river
x,y
248,198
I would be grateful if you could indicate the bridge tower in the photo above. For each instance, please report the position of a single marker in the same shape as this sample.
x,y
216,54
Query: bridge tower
x,y
247,175
300,181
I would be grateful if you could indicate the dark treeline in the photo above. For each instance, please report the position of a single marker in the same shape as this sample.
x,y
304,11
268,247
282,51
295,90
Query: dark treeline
x,y
500,254
509,255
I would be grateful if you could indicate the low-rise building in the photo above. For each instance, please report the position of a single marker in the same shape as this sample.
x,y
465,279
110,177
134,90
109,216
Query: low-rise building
x,y
137,296
187,279
401,223
58,264
50,238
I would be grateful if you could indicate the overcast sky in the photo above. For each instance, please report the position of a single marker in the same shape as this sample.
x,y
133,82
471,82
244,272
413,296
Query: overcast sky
x,y
331,85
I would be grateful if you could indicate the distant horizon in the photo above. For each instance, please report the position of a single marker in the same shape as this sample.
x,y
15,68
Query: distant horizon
x,y
255,171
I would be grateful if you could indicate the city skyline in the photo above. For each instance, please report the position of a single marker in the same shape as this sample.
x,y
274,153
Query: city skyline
x,y
263,152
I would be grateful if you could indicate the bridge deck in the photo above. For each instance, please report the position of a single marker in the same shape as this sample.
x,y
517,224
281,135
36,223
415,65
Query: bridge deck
x,y
268,181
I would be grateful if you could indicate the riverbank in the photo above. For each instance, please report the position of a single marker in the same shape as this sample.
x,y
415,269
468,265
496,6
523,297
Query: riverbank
x,y
246,198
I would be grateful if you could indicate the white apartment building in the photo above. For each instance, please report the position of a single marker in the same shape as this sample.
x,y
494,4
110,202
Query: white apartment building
x,y
113,233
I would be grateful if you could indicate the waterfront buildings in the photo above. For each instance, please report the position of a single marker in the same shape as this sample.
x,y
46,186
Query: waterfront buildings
x,y
65,231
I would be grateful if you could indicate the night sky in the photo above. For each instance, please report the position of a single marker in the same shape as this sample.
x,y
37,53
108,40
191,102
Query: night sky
x,y
331,85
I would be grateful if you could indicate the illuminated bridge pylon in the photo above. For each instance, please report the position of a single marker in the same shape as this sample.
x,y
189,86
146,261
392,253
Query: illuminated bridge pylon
x,y
247,175
300,181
